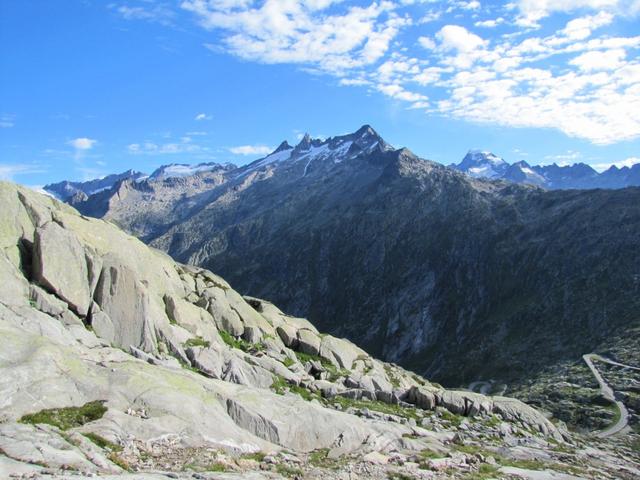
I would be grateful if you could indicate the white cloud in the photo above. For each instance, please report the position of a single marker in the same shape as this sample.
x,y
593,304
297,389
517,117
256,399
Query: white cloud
x,y
471,5
202,116
296,31
629,162
6,120
532,11
251,150
577,79
82,143
184,145
455,37
153,13
8,170
427,43
596,60
491,23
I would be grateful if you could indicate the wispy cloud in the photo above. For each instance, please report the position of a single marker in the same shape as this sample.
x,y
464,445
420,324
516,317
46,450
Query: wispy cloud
x,y
6,120
251,150
8,171
183,145
580,79
202,116
159,13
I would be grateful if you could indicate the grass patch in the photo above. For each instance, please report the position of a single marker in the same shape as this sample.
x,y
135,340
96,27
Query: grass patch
x,y
119,461
288,362
279,385
399,476
493,421
526,464
485,472
304,393
215,467
103,442
334,372
376,406
428,454
287,471
452,418
256,456
241,344
305,357
197,342
68,417
393,379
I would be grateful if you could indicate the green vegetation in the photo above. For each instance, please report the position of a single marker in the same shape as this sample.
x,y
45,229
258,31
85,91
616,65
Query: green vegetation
x,y
197,342
279,385
215,467
376,406
288,362
395,381
526,464
334,372
399,476
287,471
256,456
305,357
530,464
452,418
241,344
492,421
304,393
68,417
103,442
429,454
485,472
119,461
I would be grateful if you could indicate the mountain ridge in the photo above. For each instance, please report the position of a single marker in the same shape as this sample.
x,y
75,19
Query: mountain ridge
x,y
368,240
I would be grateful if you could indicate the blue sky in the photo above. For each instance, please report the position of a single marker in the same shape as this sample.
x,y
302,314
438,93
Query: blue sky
x,y
90,87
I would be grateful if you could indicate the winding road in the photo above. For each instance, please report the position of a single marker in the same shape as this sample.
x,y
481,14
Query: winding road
x,y
607,392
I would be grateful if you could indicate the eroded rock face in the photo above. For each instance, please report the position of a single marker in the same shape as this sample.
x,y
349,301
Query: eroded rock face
x,y
192,355
59,265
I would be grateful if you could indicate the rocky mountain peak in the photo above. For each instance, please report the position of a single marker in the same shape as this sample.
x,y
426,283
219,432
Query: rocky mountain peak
x,y
482,163
282,147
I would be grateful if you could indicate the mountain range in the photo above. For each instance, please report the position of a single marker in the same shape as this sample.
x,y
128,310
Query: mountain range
x,y
484,164
415,262
117,362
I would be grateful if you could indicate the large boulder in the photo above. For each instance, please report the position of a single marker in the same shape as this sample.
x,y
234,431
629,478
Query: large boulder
x,y
125,300
341,353
60,266
308,342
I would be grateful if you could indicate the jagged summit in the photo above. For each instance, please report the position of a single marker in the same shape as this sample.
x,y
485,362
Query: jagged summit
x,y
66,190
282,147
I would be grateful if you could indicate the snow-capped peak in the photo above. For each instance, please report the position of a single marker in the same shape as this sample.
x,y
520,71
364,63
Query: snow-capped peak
x,y
482,163
179,170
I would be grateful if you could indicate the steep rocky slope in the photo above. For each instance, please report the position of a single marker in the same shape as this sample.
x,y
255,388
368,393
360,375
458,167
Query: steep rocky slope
x,y
116,358
413,261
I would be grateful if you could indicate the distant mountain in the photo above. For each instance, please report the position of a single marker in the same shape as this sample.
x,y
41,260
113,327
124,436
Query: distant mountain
x,y
457,277
66,190
483,164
